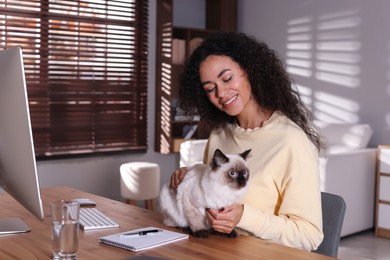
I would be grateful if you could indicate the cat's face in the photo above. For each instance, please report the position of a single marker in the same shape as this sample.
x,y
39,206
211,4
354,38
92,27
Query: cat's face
x,y
231,169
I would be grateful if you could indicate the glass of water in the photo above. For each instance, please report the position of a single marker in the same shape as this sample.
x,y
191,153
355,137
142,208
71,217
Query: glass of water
x,y
65,229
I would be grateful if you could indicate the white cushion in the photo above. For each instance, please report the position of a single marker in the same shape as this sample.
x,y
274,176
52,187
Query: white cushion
x,y
192,152
355,136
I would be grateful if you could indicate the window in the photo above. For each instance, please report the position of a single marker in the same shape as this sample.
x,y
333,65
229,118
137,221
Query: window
x,y
86,72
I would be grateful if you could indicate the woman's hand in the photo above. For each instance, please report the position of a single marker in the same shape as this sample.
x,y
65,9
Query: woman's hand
x,y
226,219
177,177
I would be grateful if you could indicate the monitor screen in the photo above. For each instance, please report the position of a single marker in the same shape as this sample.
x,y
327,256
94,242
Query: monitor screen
x,y
18,171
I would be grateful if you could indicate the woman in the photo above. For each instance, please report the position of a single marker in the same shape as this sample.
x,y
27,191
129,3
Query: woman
x,y
243,93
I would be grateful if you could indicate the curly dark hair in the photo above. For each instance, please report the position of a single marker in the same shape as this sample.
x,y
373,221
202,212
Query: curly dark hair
x,y
270,83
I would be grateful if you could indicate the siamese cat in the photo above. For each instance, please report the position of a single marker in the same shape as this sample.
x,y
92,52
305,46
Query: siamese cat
x,y
221,183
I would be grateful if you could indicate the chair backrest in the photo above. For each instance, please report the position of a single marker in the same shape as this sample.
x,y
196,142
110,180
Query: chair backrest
x,y
333,211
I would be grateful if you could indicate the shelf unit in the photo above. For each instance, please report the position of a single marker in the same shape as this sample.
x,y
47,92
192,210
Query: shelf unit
x,y
173,46
382,219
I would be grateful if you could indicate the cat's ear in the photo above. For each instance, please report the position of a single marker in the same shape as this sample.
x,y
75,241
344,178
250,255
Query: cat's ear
x,y
219,158
245,154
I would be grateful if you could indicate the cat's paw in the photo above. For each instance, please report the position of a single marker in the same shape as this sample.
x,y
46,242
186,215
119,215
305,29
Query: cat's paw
x,y
232,234
204,233
185,229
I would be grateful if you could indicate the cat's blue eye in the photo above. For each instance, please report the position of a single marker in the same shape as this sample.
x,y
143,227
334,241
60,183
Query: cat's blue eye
x,y
244,173
232,173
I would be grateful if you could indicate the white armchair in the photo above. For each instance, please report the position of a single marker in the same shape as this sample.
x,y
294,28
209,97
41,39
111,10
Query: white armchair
x,y
351,175
347,170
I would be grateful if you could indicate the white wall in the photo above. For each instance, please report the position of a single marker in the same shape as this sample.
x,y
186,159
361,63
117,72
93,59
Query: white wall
x,y
100,175
337,52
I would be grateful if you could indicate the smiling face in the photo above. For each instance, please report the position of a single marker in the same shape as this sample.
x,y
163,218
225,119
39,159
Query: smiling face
x,y
226,84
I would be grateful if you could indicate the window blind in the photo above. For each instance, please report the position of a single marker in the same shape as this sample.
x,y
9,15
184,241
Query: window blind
x,y
86,72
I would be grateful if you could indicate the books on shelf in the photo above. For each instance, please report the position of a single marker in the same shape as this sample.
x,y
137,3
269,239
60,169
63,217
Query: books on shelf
x,y
142,238
189,131
194,43
185,118
178,51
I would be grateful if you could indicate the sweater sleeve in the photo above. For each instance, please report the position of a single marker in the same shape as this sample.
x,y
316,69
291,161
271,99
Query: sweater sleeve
x,y
283,229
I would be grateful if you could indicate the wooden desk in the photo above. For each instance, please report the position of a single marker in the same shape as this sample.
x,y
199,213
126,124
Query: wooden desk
x,y
37,243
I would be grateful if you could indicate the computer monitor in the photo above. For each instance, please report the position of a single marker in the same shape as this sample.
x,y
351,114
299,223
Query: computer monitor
x,y
18,171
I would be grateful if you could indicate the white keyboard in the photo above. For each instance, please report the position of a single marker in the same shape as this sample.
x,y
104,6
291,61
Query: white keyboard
x,y
92,218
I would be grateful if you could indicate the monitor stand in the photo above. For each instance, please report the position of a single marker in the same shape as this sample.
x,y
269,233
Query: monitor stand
x,y
12,226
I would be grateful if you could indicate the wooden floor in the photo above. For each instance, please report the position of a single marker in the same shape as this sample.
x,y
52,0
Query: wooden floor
x,y
363,246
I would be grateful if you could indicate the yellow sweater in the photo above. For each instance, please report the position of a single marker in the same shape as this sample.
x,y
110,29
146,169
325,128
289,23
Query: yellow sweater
x,y
283,202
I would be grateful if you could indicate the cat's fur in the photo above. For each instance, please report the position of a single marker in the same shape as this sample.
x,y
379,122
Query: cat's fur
x,y
220,184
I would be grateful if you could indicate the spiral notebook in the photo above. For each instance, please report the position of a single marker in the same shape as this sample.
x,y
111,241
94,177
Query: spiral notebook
x,y
142,238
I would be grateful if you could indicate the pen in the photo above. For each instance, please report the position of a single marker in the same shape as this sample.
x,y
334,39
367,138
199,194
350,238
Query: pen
x,y
141,233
